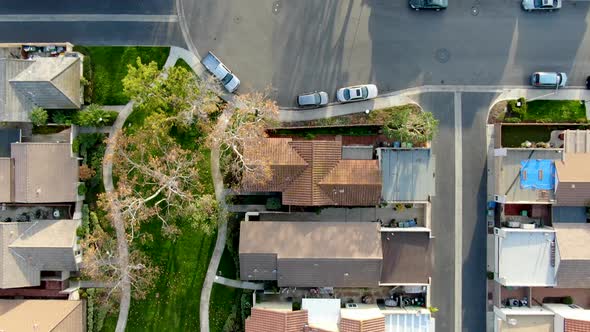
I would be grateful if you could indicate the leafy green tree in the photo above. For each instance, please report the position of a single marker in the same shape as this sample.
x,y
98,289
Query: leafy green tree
x,y
39,116
175,92
409,125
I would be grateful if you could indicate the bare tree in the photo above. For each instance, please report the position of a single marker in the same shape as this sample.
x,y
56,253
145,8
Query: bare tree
x,y
101,263
248,117
157,178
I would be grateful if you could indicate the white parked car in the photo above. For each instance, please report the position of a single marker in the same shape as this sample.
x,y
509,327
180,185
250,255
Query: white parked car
x,y
549,5
542,79
357,93
219,70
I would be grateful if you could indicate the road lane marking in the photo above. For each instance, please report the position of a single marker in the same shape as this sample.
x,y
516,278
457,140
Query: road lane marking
x,y
89,18
458,212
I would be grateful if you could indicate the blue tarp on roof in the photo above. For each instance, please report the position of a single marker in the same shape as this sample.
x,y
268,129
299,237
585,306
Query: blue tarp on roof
x,y
537,174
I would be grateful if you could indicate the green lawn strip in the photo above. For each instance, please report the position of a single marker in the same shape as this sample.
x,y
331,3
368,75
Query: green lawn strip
x,y
310,132
555,111
109,67
173,304
224,301
514,136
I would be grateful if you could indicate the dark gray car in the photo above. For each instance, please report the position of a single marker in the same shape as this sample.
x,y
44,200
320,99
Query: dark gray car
x,y
312,99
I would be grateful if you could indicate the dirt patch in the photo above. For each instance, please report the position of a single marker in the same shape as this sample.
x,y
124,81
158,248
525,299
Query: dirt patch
x,y
498,112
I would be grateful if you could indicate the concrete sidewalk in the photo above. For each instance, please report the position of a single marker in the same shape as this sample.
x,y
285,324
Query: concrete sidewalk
x,y
403,97
238,283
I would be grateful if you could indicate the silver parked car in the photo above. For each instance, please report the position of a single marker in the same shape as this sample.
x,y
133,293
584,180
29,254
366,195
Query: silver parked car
x,y
549,5
357,93
312,99
543,79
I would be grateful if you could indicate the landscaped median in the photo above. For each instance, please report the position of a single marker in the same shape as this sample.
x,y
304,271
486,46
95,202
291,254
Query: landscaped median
x,y
406,124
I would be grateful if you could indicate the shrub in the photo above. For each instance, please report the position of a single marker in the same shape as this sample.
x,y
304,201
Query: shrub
x,y
39,116
296,305
490,275
81,231
94,116
82,189
567,300
86,173
273,203
246,304
516,111
512,120
62,118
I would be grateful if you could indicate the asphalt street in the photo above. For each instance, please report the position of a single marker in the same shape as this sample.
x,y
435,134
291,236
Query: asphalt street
x,y
475,108
473,224
443,221
303,45
89,7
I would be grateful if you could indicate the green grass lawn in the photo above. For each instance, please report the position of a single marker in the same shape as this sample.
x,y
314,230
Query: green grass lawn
x,y
108,66
513,136
222,297
555,111
173,304
312,132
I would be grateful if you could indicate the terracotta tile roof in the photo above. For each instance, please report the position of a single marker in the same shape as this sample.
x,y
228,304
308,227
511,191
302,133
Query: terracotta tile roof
x,y
267,320
312,173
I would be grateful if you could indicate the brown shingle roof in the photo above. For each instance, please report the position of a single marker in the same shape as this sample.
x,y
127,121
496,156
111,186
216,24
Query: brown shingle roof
x,y
311,254
573,179
44,172
312,173
42,315
574,167
407,257
574,264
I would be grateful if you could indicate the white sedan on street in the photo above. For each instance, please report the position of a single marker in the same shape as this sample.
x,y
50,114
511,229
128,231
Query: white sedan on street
x,y
549,5
357,93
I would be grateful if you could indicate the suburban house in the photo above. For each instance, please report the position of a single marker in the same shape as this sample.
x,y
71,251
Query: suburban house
x,y
42,316
327,315
39,173
38,246
50,83
312,173
311,254
34,250
333,254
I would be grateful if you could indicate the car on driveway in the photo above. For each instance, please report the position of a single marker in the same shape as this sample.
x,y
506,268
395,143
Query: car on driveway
x,y
429,4
312,99
543,79
357,93
549,5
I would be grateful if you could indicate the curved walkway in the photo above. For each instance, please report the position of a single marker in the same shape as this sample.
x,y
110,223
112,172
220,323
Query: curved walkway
x,y
221,230
117,218
194,62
